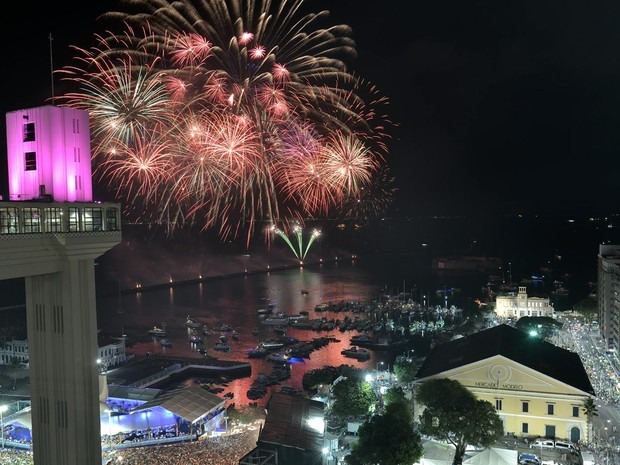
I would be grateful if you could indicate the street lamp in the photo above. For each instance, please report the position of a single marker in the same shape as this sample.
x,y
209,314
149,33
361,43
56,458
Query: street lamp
x,y
3,408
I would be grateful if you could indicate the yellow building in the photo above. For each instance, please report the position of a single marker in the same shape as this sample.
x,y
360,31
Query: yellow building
x,y
537,388
520,305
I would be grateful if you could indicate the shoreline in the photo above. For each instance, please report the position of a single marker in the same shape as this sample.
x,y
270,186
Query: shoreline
x,y
204,279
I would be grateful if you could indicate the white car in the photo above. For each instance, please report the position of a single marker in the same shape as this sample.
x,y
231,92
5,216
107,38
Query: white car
x,y
542,443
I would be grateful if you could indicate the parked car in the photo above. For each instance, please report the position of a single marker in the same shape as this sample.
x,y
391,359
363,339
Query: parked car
x,y
566,446
528,459
542,443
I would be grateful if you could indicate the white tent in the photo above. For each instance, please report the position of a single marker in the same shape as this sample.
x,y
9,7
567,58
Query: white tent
x,y
437,453
493,456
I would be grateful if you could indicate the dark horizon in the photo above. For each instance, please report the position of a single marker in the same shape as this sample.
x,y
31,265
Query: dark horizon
x,y
501,109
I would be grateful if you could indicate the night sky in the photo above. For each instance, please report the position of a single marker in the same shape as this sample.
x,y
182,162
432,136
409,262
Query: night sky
x,y
503,107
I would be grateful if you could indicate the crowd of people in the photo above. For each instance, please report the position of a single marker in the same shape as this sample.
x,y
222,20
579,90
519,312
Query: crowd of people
x,y
221,450
15,457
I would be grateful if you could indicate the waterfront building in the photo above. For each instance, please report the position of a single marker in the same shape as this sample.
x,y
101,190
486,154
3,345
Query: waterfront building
x,y
515,306
51,232
294,432
110,352
609,297
538,389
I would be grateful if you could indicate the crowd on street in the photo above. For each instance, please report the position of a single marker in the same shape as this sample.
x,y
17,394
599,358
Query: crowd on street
x,y
221,450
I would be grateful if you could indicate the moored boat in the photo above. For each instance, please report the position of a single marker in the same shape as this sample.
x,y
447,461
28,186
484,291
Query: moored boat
x,y
165,342
258,352
157,331
271,345
276,321
192,322
357,353
195,338
221,346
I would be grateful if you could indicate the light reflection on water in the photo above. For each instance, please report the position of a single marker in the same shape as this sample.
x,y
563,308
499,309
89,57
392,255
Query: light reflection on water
x,y
235,301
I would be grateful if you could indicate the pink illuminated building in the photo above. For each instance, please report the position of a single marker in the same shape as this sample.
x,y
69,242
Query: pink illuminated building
x,y
48,151
51,232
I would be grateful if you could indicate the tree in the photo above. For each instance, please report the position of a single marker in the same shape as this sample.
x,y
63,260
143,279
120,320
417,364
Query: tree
x,y
352,397
395,395
387,439
590,411
406,369
453,413
588,308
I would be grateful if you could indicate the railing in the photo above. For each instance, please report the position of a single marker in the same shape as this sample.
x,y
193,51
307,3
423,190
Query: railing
x,y
58,218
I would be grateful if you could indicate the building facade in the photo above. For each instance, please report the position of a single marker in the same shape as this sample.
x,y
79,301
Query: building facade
x,y
518,305
538,389
609,297
51,232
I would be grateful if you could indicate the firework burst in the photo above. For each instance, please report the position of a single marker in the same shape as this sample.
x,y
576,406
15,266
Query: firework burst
x,y
229,113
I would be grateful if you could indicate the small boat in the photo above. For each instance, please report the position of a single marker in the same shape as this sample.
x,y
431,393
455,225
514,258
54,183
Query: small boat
x,y
278,358
271,345
195,338
354,352
264,311
258,352
235,335
276,321
221,346
222,327
206,331
165,342
362,338
157,331
192,322
256,392
203,351
304,292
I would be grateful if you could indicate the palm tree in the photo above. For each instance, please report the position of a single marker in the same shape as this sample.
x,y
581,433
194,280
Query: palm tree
x,y
590,411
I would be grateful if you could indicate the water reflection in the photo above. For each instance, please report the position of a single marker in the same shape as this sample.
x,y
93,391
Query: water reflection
x,y
235,302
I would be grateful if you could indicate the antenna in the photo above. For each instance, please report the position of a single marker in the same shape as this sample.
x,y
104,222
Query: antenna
x,y
51,67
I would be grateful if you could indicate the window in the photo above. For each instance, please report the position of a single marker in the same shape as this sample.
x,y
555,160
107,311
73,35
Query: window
x,y
74,220
31,161
8,220
92,219
575,411
550,409
525,406
498,404
111,217
32,220
29,132
53,219
525,428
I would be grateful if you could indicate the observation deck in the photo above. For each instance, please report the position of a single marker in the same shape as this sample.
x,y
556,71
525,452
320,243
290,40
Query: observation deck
x,y
36,237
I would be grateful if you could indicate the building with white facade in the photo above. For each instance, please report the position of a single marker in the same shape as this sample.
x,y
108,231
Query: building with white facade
x,y
609,297
518,305
110,352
